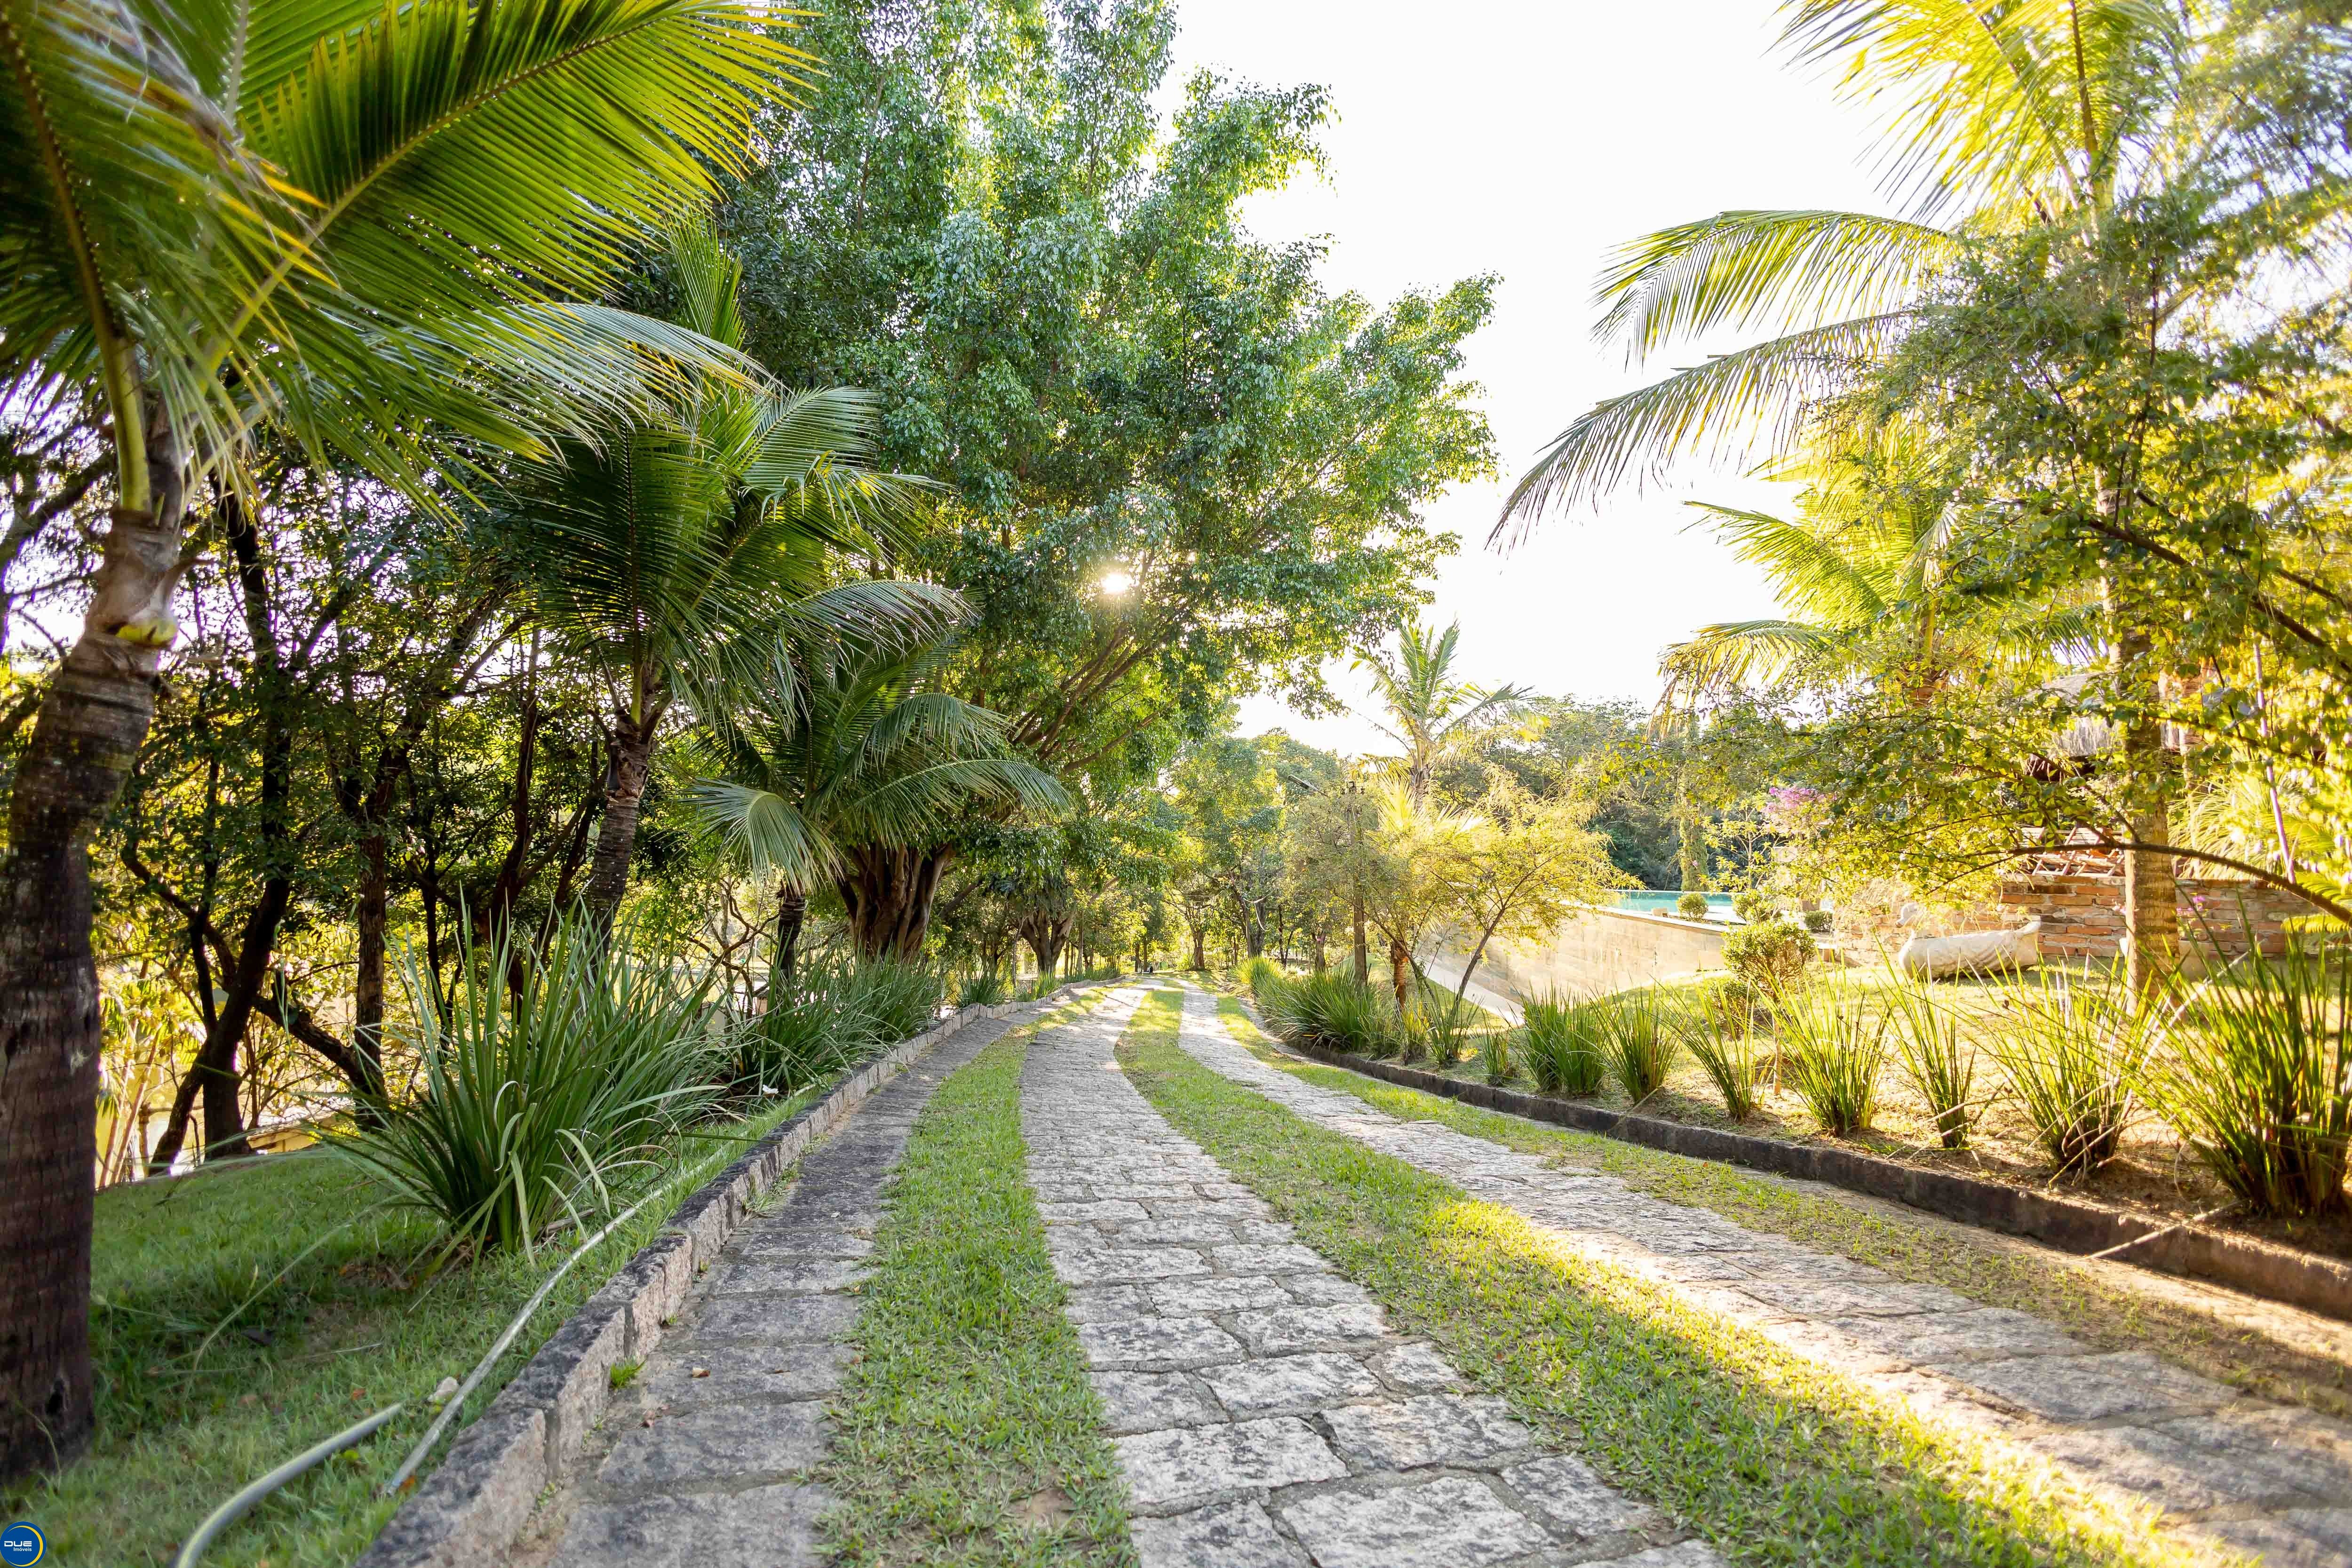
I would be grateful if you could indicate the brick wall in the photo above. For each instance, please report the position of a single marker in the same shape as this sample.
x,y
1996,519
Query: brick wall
x,y
2082,912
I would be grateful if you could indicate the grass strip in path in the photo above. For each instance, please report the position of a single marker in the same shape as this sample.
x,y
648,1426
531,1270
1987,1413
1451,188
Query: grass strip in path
x,y
967,1432
2277,1353
1774,1461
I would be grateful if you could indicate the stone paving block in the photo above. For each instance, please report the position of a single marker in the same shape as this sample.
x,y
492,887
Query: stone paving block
x,y
1427,1429
1326,1290
716,1443
2299,1537
1090,1212
1148,1194
1572,1500
1210,1233
1834,1299
807,1241
1147,1342
1416,1368
1224,1535
1150,1401
1109,1304
1057,1193
1284,1330
1292,1382
754,1276
2093,1388
1188,1465
1451,1522
1112,1266
1829,1344
1282,1258
765,1526
2157,1468
1218,1293
738,1372
1987,1333
2298,1446
779,1320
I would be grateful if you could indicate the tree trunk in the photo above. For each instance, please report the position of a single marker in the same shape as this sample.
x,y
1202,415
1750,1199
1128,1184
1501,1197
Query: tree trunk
x,y
1200,948
889,894
1400,971
367,989
91,725
1363,946
617,835
792,912
2152,914
1688,845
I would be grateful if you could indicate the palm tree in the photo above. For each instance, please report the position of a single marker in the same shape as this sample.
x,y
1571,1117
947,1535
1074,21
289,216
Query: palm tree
x,y
354,226
1430,713
2046,112
859,760
674,556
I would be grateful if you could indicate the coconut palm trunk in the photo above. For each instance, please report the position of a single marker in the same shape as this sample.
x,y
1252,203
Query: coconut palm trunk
x,y
630,766
83,745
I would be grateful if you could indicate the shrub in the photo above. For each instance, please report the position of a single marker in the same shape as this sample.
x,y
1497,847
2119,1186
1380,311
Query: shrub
x,y
535,1098
1446,1028
1330,1012
1498,1056
1728,1055
897,998
1256,974
1819,921
1691,906
983,990
2074,1053
1939,1067
1562,1047
804,1037
2262,1091
1752,905
1638,1040
1834,1054
1770,955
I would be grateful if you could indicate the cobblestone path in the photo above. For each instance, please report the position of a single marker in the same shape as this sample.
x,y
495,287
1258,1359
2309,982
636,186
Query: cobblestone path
x,y
2256,1475
694,1464
1265,1414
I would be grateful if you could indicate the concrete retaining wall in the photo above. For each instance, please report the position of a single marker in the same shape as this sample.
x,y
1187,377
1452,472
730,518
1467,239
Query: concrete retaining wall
x,y
1594,951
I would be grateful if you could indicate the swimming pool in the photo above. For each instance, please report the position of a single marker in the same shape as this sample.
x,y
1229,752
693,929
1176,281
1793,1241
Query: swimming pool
x,y
1653,901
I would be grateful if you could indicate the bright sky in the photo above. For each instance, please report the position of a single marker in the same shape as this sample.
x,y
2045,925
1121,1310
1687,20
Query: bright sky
x,y
1527,139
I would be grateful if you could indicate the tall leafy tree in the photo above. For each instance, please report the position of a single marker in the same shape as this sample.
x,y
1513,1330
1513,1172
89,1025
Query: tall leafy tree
x,y
357,225
1178,467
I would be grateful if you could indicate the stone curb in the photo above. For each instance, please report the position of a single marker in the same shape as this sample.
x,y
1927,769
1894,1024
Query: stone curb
x,y
2071,1225
474,1504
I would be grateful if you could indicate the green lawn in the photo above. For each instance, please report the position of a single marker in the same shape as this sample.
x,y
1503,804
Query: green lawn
x,y
323,1314
968,1432
1774,1461
2111,1306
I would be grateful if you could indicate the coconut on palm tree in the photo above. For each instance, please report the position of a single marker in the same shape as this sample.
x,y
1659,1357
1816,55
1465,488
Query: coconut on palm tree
x,y
355,227
856,760
675,555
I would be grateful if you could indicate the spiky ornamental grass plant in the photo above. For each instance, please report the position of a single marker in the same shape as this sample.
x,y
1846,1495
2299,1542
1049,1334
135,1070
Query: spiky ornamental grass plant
x,y
1834,1055
1562,1044
1727,1050
2258,1083
1937,1063
1330,1012
2074,1054
1639,1036
544,1083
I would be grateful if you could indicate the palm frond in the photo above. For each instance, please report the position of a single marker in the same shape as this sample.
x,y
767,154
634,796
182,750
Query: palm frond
x,y
778,841
1738,268
1720,408
1731,654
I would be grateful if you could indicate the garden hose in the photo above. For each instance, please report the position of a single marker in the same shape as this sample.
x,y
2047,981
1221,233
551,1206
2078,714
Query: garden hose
x,y
237,1508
